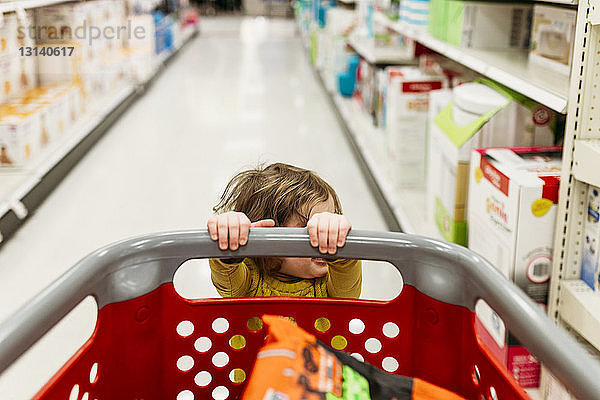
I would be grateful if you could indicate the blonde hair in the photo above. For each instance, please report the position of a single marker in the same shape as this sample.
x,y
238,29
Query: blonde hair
x,y
279,192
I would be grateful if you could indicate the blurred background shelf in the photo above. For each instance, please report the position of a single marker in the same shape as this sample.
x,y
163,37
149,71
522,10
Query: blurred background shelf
x,y
586,165
508,67
580,308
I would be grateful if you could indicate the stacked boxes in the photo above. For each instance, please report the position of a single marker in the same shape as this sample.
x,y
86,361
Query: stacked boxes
x,y
513,196
478,115
482,25
591,244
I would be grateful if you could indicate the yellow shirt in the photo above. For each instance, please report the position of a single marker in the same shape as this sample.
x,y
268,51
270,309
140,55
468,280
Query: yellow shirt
x,y
245,279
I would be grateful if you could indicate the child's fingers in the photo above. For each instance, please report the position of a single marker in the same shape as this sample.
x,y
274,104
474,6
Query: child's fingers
x,y
263,223
312,227
223,231
332,237
244,229
234,231
322,232
211,224
345,227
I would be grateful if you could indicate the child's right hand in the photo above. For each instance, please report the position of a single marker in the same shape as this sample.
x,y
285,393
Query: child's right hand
x,y
231,229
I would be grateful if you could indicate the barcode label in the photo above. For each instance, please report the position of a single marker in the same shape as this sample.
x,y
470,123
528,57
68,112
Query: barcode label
x,y
516,27
541,269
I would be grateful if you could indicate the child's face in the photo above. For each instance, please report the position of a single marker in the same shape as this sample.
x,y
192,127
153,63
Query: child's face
x,y
306,268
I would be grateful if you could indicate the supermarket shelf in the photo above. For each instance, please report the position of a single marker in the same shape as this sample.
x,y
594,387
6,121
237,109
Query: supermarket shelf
x,y
580,308
17,183
26,4
586,165
380,55
509,67
22,190
403,211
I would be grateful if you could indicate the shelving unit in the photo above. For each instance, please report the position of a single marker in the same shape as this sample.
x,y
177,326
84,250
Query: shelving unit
x,y
509,67
580,307
380,55
586,165
23,189
404,211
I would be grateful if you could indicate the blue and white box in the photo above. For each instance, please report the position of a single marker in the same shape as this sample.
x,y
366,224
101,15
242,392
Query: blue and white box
x,y
590,259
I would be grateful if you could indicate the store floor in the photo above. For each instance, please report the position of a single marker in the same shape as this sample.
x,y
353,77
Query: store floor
x,y
240,94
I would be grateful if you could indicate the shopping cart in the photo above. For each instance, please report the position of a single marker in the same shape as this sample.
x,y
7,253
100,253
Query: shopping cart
x,y
144,327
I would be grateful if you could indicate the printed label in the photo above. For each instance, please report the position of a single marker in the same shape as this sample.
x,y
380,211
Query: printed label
x,y
540,207
495,177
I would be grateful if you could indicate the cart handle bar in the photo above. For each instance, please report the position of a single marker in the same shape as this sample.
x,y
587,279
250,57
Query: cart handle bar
x,y
444,271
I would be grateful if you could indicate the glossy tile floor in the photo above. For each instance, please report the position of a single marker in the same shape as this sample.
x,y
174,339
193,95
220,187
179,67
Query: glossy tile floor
x,y
240,94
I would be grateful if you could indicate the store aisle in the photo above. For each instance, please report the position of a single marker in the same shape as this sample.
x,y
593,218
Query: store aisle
x,y
241,93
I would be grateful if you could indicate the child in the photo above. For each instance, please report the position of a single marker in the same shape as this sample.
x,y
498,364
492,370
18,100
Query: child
x,y
282,195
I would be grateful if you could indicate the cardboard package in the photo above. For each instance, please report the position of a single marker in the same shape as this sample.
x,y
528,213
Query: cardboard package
x,y
406,110
479,117
591,245
552,37
481,25
513,197
60,69
20,134
8,35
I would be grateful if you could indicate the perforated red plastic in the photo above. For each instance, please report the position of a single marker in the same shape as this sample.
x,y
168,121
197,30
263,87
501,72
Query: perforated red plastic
x,y
156,346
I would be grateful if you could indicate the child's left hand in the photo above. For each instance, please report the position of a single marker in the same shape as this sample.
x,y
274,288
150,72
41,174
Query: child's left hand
x,y
328,231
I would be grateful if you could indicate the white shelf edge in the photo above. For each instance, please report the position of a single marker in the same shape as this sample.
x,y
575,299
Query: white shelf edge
x,y
586,165
369,54
81,130
580,308
557,102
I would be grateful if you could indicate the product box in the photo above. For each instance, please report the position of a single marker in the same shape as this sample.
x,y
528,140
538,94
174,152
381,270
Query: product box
x,y
487,25
495,336
552,37
407,104
480,114
415,13
438,100
63,68
9,77
140,33
19,137
591,244
8,35
48,114
64,22
513,196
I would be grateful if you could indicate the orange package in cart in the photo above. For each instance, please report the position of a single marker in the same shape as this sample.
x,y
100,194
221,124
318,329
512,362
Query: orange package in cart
x,y
294,365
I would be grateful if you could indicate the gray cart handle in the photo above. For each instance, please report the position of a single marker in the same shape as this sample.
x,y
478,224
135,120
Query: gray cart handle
x,y
443,271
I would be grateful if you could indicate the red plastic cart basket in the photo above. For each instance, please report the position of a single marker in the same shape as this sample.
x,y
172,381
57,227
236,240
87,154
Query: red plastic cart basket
x,y
150,343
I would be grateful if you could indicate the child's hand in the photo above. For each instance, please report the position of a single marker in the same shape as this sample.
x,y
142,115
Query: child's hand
x,y
328,231
234,226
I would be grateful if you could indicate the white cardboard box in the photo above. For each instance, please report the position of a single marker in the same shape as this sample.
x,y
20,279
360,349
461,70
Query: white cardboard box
x,y
407,106
19,138
552,37
591,244
8,35
513,196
